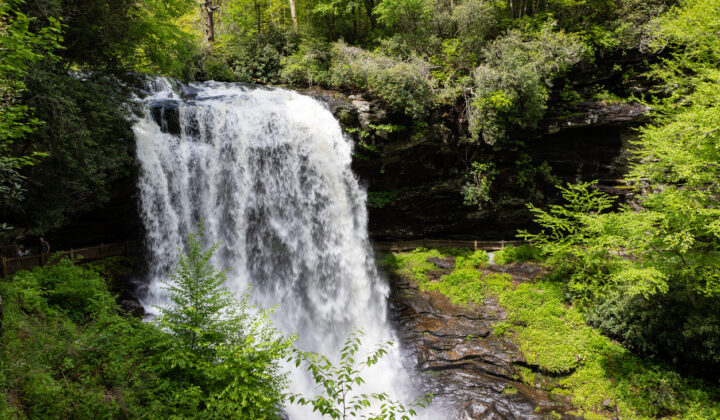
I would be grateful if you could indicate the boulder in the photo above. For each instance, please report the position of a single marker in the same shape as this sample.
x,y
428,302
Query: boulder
x,y
445,263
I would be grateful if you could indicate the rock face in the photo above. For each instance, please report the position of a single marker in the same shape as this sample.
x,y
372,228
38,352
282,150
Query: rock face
x,y
471,371
423,175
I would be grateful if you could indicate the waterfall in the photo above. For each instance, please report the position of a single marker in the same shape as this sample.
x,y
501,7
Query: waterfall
x,y
268,170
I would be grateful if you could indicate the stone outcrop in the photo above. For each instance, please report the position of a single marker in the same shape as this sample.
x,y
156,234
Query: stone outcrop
x,y
596,113
471,371
580,141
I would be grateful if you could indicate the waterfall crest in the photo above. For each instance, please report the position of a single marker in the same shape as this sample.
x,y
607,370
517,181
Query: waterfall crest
x,y
268,170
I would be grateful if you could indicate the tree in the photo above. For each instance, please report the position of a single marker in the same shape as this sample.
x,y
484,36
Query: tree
x,y
209,10
21,46
293,14
226,351
337,383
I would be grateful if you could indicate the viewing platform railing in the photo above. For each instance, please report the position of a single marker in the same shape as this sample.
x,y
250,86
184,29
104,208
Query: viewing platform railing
x,y
442,243
11,265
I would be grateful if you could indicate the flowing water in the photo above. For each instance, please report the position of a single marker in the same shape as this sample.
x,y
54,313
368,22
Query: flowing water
x,y
268,170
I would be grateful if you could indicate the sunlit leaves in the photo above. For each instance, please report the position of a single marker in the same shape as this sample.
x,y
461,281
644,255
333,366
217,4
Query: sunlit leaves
x,y
338,381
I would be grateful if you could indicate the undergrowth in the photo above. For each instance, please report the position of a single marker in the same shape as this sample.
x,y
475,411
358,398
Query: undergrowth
x,y
601,377
522,253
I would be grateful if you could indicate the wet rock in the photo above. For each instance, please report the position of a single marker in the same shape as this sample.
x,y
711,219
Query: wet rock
x,y
445,263
132,307
471,371
519,271
587,113
167,115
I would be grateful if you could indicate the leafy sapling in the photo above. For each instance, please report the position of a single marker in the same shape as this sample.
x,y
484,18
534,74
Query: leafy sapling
x,y
337,381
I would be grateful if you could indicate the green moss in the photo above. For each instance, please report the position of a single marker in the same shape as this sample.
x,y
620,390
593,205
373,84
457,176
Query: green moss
x,y
414,264
509,390
602,378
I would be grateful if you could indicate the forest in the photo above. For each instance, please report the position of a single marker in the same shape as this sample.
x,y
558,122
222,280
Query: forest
x,y
632,270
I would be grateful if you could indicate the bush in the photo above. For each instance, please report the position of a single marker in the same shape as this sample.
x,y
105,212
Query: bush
x,y
252,59
512,86
51,366
67,353
511,254
307,66
477,259
81,293
406,86
680,326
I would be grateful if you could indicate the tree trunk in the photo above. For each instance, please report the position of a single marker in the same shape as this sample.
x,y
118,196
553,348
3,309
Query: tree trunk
x,y
293,15
209,8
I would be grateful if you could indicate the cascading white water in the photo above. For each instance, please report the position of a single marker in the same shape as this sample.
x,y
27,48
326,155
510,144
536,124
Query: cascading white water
x,y
268,170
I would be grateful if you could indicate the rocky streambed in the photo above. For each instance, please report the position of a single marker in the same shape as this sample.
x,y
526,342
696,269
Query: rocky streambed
x,y
472,372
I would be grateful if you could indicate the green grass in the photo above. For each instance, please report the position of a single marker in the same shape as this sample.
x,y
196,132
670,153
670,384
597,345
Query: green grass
x,y
601,377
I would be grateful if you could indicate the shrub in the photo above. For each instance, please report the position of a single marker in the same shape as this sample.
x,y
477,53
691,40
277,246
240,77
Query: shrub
x,y
307,66
511,254
81,293
477,259
252,59
512,86
51,366
406,86
680,326
336,382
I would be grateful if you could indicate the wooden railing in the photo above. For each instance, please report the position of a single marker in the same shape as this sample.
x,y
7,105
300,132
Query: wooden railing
x,y
14,264
9,251
442,243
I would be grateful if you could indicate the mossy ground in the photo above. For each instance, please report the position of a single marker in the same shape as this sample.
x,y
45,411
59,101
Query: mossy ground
x,y
601,377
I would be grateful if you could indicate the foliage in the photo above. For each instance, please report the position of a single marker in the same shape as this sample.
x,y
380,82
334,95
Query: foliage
x,y
89,144
68,350
309,65
227,356
406,86
337,382
80,293
476,192
381,199
674,326
256,59
58,100
666,250
569,358
124,35
406,17
512,85
513,254
67,353
413,264
22,47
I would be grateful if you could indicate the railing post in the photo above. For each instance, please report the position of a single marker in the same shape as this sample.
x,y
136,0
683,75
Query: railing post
x,y
475,245
502,244
72,255
4,263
